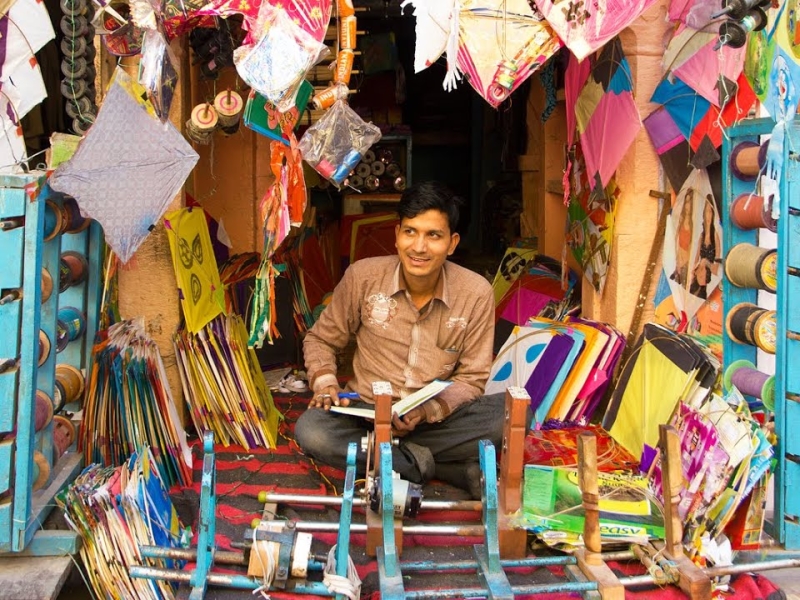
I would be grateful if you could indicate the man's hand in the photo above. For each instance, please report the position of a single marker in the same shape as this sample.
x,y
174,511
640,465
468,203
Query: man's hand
x,y
404,425
326,397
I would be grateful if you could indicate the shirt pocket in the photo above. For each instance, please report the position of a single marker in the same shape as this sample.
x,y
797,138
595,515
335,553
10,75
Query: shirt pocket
x,y
444,361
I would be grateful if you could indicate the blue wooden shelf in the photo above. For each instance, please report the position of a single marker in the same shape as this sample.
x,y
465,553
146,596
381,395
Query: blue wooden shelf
x,y
26,253
785,526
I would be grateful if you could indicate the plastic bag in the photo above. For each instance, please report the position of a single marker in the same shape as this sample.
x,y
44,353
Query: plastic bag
x,y
335,144
276,65
157,72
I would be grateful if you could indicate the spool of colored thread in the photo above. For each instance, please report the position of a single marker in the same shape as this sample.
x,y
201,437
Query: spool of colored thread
x,y
345,8
41,470
752,212
751,382
72,220
747,160
44,347
72,382
344,66
58,397
74,320
200,127
347,32
62,336
73,269
63,435
399,183
42,411
749,266
46,285
765,332
369,157
740,322
229,105
52,220
325,168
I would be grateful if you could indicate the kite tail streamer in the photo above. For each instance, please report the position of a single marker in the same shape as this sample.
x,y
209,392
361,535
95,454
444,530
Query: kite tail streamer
x,y
453,72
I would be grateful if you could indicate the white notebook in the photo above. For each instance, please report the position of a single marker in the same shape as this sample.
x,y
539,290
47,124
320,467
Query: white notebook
x,y
400,407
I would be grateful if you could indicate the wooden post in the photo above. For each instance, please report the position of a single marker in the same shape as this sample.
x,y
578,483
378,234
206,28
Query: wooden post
x,y
588,557
693,581
382,393
513,540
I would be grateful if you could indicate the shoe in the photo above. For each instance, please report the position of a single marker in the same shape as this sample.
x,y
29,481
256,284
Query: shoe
x,y
466,476
292,383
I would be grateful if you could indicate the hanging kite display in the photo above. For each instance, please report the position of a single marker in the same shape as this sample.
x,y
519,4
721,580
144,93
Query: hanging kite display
x,y
128,153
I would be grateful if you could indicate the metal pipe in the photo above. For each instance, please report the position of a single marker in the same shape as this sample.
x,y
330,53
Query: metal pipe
x,y
462,530
220,556
620,555
539,588
767,565
232,581
464,565
468,505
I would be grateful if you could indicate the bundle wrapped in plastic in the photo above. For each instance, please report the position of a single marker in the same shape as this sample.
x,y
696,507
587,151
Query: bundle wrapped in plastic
x,y
336,143
275,66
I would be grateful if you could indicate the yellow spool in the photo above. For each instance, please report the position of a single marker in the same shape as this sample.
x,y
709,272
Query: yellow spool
x,y
44,345
765,332
46,285
64,434
72,380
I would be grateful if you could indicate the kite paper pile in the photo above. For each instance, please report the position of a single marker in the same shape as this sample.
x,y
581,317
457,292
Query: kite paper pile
x,y
115,510
565,367
223,385
129,405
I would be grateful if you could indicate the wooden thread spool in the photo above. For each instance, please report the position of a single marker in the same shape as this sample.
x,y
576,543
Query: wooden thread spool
x,y
72,382
41,470
200,127
751,382
58,397
747,160
64,435
52,220
752,212
765,332
73,221
42,411
44,347
46,285
229,107
748,266
749,324
73,269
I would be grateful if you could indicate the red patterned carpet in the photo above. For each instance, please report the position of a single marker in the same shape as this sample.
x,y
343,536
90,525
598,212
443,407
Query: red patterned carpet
x,y
242,474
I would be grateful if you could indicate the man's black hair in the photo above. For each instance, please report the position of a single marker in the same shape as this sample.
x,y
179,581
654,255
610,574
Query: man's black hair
x,y
430,195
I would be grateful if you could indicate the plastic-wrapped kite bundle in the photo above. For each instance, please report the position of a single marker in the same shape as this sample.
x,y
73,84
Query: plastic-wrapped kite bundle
x,y
337,142
275,66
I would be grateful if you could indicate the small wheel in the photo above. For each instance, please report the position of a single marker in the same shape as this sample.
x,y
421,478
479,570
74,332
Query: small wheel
x,y
81,125
73,7
72,89
81,106
74,70
73,47
74,26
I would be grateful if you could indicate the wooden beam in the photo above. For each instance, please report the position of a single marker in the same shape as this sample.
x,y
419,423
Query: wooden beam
x,y
513,540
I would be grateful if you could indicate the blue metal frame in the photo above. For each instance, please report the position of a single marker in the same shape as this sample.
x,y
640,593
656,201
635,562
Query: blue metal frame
x,y
785,527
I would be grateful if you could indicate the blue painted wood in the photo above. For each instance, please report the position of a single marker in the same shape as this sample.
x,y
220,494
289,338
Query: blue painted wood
x,y
8,390
11,243
5,524
6,456
787,380
29,355
75,296
9,329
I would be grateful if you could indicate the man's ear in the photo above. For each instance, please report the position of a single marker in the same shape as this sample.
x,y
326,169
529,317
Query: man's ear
x,y
454,239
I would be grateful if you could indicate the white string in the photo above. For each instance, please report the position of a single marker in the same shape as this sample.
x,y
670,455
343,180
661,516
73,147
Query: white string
x,y
268,569
350,585
453,72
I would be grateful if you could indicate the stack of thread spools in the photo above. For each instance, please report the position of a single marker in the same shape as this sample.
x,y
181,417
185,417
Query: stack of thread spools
x,y
748,266
225,114
378,171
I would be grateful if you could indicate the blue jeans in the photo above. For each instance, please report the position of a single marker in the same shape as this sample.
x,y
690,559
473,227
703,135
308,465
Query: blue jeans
x,y
324,436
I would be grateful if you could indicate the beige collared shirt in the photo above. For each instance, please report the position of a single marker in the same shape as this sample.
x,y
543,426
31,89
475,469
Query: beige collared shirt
x,y
450,338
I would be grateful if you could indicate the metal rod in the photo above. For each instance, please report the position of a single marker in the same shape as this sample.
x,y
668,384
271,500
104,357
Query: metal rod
x,y
469,505
463,565
540,588
233,581
462,530
220,556
619,555
767,565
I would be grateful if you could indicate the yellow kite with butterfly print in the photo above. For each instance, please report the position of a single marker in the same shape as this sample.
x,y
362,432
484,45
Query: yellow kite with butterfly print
x,y
202,295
